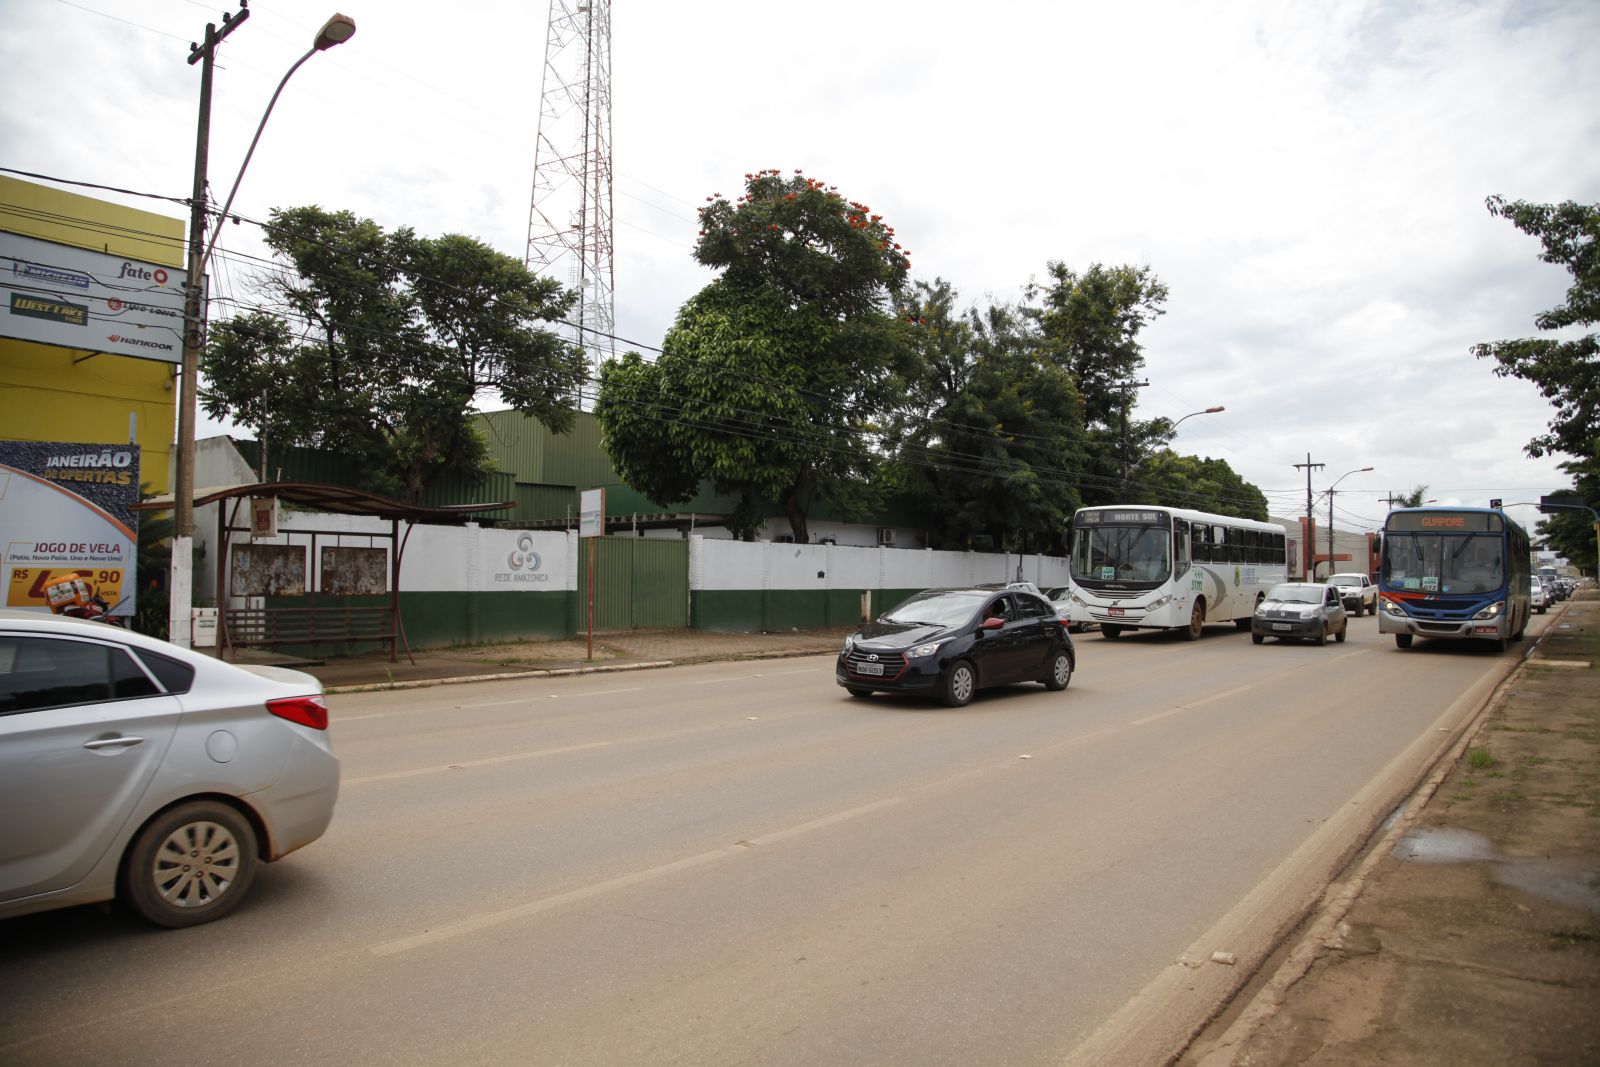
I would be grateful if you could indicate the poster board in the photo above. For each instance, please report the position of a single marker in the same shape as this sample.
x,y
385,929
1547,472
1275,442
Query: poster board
x,y
354,571
66,524
267,570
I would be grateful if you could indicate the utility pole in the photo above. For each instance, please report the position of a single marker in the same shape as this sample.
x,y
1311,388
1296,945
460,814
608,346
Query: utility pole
x,y
180,582
1330,533
1308,567
1127,400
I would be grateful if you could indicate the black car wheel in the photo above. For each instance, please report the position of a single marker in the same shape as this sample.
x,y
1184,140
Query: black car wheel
x,y
1256,639
960,684
190,865
1343,631
1060,672
1322,634
857,691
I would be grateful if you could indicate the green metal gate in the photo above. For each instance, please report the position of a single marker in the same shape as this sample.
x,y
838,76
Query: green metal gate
x,y
639,583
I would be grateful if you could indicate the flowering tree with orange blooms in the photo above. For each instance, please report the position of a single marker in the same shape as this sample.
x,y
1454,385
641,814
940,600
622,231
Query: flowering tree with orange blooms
x,y
774,377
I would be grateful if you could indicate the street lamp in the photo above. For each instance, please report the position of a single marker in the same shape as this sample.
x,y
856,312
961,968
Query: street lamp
x,y
1336,481
180,584
1192,414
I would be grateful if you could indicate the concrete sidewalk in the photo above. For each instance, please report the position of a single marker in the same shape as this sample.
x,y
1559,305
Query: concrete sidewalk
x,y
1470,932
633,650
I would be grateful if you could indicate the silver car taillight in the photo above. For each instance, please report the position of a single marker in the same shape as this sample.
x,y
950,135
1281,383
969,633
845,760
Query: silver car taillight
x,y
307,711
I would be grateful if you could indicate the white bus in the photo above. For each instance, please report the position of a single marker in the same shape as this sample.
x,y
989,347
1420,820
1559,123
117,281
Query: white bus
x,y
1139,567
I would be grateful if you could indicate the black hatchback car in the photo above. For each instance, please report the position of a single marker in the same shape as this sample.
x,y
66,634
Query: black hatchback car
x,y
950,643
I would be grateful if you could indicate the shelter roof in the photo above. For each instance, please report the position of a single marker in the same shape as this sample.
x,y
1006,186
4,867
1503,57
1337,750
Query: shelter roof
x,y
338,499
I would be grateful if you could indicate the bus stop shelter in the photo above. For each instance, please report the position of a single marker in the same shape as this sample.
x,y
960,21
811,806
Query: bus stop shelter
x,y
348,593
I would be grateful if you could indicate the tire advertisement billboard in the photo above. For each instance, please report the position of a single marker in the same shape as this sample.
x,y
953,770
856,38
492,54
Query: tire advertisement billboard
x,y
56,294
67,526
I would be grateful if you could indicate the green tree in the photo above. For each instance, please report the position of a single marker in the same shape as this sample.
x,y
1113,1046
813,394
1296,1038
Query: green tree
x,y
1412,499
379,344
773,378
1091,325
1172,480
991,438
1566,371
1571,533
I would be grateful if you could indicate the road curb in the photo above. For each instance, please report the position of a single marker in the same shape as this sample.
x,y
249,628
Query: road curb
x,y
561,672
425,683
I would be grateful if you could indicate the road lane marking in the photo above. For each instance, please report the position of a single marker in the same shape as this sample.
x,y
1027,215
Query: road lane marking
x,y
511,757
484,704
649,874
1258,683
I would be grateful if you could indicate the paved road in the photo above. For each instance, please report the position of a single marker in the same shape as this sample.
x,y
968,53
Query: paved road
x,y
735,863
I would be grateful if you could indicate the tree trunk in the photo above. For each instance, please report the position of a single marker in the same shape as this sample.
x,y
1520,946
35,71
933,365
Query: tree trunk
x,y
796,513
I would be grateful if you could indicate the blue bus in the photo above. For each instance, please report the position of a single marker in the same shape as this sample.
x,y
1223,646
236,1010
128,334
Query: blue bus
x,y
1454,573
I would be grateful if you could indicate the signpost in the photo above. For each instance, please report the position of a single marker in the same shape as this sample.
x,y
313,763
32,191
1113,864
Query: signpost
x,y
591,524
1570,501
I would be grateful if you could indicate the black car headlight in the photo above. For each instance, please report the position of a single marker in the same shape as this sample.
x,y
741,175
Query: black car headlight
x,y
923,651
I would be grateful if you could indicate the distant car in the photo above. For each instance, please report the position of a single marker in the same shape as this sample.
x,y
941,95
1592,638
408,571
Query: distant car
x,y
137,770
1538,596
950,643
1306,611
1357,591
1061,597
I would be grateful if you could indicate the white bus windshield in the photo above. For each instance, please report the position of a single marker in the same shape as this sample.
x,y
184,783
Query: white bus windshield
x,y
1434,563
1122,554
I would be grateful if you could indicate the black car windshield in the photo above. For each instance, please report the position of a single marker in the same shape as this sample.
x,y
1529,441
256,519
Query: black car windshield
x,y
938,609
1296,594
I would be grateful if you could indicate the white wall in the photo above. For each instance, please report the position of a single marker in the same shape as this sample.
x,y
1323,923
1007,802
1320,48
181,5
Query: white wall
x,y
732,565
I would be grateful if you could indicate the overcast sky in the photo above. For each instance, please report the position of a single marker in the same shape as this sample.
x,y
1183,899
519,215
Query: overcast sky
x,y
1307,178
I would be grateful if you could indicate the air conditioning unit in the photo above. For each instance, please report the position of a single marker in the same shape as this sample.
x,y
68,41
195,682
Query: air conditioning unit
x,y
885,535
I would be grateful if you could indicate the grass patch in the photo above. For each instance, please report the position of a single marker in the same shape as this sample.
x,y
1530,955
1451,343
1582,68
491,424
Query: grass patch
x,y
1561,940
1479,758
1506,799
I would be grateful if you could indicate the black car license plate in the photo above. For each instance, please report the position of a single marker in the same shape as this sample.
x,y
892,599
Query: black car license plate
x,y
870,668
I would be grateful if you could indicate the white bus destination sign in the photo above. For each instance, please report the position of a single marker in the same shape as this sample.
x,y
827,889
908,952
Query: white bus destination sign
x,y
54,294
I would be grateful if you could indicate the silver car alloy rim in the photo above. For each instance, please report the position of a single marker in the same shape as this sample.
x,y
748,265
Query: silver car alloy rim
x,y
196,864
962,683
1063,670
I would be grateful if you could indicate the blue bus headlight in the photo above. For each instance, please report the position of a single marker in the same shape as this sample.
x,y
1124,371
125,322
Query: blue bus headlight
x,y
1492,611
1393,608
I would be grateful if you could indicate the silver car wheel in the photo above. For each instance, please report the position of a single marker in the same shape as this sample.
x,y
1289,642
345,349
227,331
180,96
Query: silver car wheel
x,y
961,684
196,864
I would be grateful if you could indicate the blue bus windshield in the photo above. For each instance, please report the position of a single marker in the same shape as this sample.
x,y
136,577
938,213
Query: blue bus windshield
x,y
1444,563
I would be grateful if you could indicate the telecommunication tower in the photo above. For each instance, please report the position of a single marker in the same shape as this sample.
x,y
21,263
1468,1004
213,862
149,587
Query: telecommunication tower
x,y
569,220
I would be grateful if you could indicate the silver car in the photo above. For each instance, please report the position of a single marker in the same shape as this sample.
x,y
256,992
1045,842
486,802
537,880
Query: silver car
x,y
136,770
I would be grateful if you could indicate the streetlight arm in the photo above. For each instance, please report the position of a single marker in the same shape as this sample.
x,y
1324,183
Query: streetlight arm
x,y
211,245
1192,414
